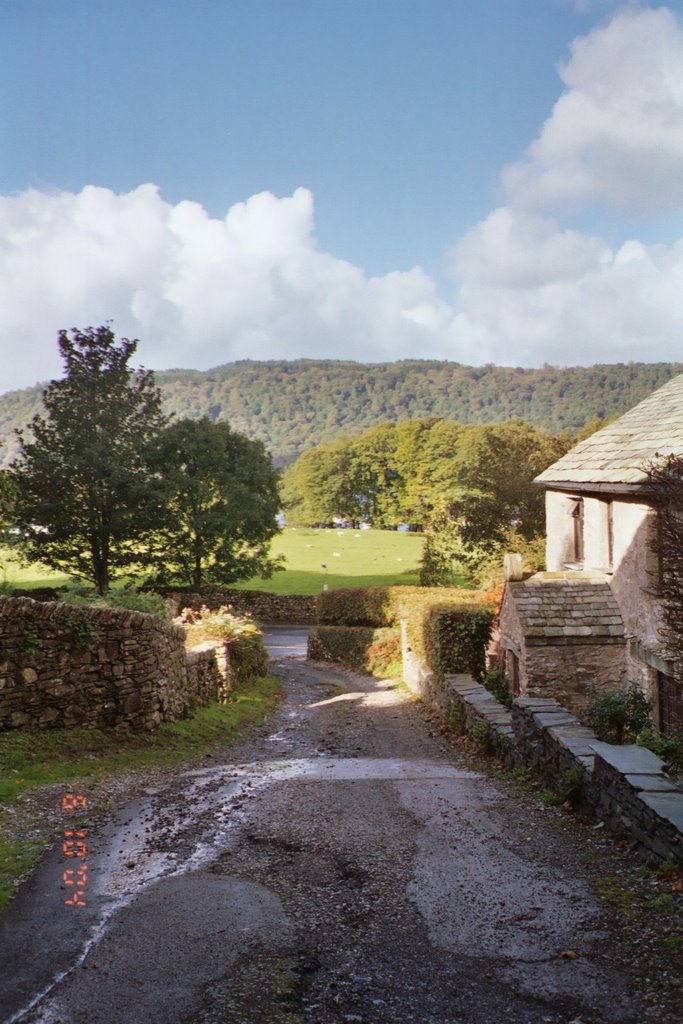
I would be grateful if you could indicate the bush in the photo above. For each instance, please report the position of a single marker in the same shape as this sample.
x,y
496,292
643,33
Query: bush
x,y
355,606
568,788
386,606
383,657
248,656
619,716
448,629
483,736
496,683
669,748
358,647
449,640
457,717
128,598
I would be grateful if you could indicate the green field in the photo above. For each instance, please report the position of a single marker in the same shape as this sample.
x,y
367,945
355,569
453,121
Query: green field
x,y
27,577
354,558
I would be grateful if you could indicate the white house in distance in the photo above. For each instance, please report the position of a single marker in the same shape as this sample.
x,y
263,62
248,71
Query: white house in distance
x,y
592,619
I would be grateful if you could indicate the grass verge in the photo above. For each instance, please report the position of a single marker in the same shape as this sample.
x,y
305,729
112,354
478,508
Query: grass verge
x,y
73,756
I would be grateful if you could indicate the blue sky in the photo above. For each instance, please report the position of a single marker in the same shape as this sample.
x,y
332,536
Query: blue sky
x,y
369,179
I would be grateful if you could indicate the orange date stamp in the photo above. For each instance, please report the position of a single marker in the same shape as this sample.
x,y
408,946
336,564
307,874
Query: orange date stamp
x,y
75,847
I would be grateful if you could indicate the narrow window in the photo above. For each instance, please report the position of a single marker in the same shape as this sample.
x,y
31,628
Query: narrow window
x,y
511,671
576,512
610,536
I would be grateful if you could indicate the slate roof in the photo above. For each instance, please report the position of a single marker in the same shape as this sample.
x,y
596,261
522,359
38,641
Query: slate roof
x,y
572,608
617,453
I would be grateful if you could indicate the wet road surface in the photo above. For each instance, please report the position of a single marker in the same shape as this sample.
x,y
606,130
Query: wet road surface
x,y
341,867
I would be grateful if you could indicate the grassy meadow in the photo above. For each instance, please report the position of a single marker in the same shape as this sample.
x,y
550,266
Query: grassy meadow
x,y
13,574
354,558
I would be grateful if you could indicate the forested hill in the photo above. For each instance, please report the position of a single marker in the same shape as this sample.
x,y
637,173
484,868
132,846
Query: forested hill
x,y
293,406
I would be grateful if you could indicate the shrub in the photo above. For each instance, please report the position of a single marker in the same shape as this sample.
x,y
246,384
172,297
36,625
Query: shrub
x,y
386,606
496,683
450,640
483,735
669,748
355,606
448,629
248,656
619,715
568,788
457,716
358,647
384,657
128,597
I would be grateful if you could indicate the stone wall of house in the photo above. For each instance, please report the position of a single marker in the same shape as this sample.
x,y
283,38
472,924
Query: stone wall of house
x,y
293,609
511,639
570,672
64,666
563,669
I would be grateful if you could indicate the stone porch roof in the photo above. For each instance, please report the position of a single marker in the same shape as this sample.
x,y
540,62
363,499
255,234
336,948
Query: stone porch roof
x,y
616,454
564,608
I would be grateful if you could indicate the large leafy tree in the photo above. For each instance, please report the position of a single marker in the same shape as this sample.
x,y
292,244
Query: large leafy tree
x,y
320,485
221,505
84,498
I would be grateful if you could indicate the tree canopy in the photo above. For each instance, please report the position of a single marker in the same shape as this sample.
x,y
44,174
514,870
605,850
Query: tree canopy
x,y
221,502
468,487
84,498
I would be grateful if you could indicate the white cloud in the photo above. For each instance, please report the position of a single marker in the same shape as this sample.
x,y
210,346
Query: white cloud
x,y
531,290
197,291
616,132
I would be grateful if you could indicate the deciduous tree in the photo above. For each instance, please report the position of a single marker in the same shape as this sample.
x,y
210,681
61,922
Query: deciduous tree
x,y
84,497
221,505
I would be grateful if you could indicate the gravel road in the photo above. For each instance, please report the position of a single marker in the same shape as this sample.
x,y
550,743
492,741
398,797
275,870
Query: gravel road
x,y
344,866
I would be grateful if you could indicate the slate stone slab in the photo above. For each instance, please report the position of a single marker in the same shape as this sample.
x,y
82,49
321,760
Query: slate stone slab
x,y
653,783
666,805
536,702
629,759
578,745
548,719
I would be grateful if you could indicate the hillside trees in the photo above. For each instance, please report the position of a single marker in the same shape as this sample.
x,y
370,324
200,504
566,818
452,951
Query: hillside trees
x,y
221,502
292,405
84,498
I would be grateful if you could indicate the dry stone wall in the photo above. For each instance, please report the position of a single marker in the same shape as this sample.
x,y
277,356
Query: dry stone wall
x,y
64,666
293,609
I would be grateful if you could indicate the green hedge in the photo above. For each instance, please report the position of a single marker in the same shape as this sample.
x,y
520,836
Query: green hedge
x,y
449,640
448,628
386,606
359,647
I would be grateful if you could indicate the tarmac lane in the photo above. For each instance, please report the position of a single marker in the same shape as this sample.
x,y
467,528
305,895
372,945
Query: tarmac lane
x,y
342,866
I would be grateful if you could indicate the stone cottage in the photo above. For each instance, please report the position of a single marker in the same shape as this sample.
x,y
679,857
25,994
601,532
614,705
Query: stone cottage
x,y
592,619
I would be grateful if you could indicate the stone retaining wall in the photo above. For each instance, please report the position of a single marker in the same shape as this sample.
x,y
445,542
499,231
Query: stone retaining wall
x,y
64,665
293,609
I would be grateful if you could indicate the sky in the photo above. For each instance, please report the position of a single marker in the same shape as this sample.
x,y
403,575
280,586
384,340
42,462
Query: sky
x,y
499,181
